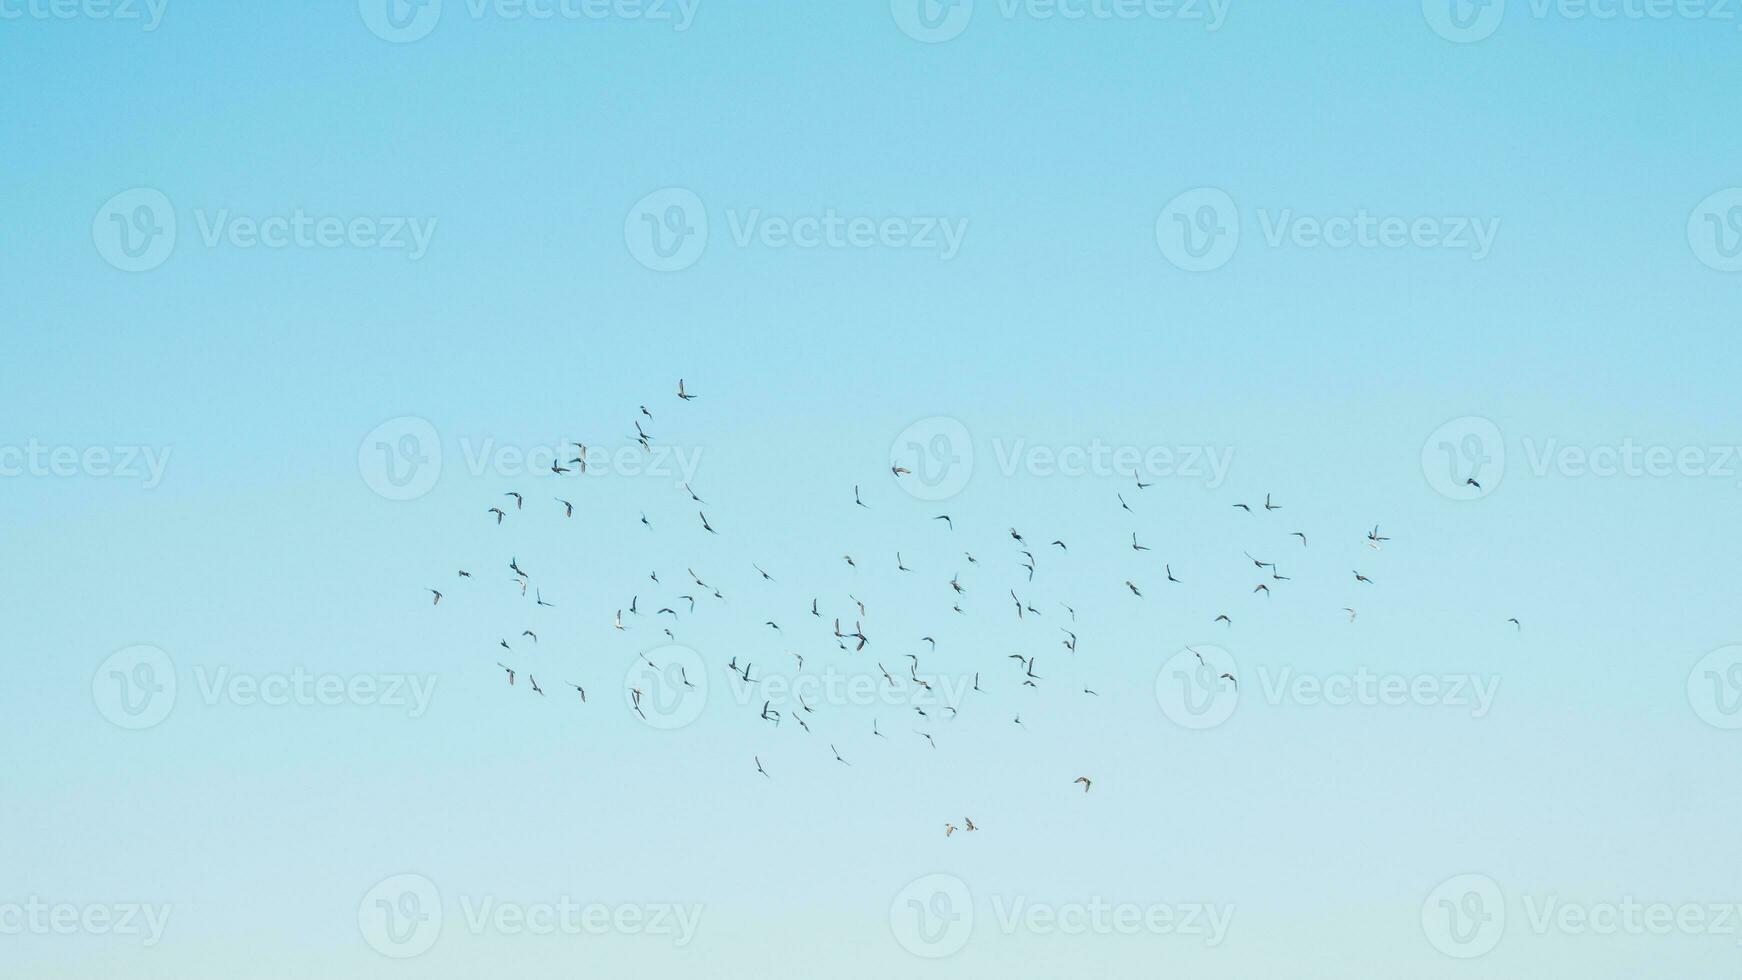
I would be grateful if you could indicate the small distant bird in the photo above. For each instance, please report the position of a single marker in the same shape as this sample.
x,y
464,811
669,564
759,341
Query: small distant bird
x,y
759,766
1471,482
519,501
1351,613
510,671
1244,508
568,508
946,519
1224,619
1084,780
1514,621
499,514
1230,678
705,525
1133,588
1135,546
1270,506
856,497
438,598
970,824
686,396
898,470
1301,536
1362,578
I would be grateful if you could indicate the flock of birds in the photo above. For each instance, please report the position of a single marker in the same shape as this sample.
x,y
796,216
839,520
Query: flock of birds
x,y
856,639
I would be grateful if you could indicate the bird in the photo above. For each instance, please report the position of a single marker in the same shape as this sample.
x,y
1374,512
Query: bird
x,y
582,690
946,519
519,501
1135,546
838,758
568,508
1123,504
1169,570
510,671
535,688
856,497
1471,482
686,396
1362,578
1230,678
557,468
1085,781
1301,536
438,597
692,494
897,470
1270,506
1224,619
759,766
1244,508
705,525
1351,613
1374,537
949,828
499,514
1517,626
969,821
1133,589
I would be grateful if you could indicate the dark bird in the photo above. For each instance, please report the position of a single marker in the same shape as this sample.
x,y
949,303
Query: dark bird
x,y
686,396
510,671
568,508
1084,780
1135,546
856,497
438,598
705,525
519,501
759,766
499,514
1270,506
1362,578
946,519
1133,589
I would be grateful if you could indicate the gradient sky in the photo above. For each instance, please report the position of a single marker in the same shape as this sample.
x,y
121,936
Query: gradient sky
x,y
258,376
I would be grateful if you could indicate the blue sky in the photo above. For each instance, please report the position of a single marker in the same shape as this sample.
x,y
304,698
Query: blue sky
x,y
1511,228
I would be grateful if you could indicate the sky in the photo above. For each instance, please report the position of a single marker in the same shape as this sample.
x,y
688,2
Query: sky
x,y
295,294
